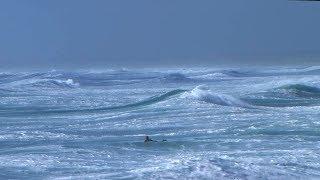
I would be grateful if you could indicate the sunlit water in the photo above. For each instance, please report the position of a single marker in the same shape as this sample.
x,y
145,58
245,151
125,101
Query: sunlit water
x,y
218,123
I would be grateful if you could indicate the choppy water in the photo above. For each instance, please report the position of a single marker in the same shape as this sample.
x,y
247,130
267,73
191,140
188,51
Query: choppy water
x,y
218,123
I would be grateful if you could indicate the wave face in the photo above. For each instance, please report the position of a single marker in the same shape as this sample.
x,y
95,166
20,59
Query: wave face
x,y
218,123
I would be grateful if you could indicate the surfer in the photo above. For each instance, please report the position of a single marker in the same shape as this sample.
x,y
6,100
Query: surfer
x,y
148,139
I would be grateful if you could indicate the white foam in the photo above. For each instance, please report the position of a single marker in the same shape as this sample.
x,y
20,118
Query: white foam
x,y
203,93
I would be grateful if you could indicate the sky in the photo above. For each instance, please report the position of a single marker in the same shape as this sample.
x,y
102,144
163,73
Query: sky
x,y
158,33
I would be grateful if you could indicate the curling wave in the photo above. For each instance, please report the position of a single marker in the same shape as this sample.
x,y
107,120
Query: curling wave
x,y
203,93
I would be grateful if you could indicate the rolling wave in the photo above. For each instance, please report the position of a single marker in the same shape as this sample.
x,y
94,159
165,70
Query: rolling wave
x,y
53,83
268,99
43,80
45,83
202,93
136,105
314,70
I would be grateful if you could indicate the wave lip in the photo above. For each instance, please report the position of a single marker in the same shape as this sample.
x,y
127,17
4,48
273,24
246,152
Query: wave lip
x,y
203,93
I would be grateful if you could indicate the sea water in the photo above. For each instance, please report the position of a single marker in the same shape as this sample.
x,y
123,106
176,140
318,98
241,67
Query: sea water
x,y
218,124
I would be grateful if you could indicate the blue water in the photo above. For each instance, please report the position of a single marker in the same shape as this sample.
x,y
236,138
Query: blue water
x,y
218,123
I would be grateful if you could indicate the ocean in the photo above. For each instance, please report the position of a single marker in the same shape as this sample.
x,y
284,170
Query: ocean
x,y
218,123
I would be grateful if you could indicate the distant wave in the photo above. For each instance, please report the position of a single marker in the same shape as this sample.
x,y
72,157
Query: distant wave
x,y
314,70
311,70
197,77
43,80
176,77
44,83
52,83
235,73
143,103
202,93
15,77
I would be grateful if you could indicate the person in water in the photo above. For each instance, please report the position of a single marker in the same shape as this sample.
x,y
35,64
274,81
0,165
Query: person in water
x,y
148,139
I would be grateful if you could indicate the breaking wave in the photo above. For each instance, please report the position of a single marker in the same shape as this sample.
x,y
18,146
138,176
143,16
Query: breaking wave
x,y
53,83
44,83
203,93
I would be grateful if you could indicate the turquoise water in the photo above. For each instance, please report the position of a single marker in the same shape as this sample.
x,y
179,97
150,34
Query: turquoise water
x,y
218,123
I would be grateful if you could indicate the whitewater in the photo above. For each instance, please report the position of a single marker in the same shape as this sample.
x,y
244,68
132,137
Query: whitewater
x,y
218,123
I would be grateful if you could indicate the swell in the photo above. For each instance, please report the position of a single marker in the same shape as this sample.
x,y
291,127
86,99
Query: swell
x,y
136,105
292,95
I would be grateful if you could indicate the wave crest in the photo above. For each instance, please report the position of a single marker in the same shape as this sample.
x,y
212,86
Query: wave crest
x,y
203,93
54,83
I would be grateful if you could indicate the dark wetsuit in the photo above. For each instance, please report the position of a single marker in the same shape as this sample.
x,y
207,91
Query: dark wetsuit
x,y
148,139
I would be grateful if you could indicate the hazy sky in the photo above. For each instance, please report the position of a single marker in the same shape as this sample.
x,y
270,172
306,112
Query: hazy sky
x,y
144,33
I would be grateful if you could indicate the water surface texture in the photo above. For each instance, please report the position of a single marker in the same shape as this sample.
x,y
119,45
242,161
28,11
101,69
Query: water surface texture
x,y
218,123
